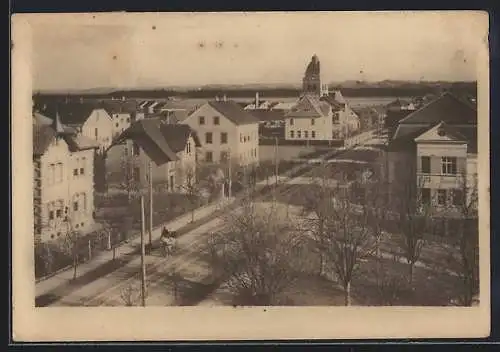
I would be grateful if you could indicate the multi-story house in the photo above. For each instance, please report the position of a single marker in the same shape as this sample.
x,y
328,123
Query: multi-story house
x,y
122,112
227,132
63,180
309,119
167,150
86,118
434,151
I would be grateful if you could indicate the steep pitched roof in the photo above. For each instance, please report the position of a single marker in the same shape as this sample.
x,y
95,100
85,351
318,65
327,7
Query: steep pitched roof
x,y
336,106
268,115
147,134
446,108
119,106
233,112
73,114
44,132
177,136
309,106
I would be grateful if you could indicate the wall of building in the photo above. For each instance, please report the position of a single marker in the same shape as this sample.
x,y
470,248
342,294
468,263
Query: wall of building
x,y
322,128
225,126
121,122
66,179
99,127
247,144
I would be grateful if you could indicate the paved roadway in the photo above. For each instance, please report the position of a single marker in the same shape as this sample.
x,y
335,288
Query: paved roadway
x,y
108,289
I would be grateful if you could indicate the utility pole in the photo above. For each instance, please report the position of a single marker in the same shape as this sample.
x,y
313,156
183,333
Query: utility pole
x,y
276,165
143,264
230,174
150,204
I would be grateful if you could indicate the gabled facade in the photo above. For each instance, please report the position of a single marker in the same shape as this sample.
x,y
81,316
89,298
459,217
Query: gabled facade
x,y
63,180
226,132
309,119
434,149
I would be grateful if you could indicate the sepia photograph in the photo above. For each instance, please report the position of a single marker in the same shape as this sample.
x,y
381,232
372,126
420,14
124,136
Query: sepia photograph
x,y
233,168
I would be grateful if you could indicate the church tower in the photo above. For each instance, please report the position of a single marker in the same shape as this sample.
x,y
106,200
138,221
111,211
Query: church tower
x,y
311,83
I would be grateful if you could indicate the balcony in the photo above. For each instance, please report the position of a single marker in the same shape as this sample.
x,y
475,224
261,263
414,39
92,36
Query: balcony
x,y
427,180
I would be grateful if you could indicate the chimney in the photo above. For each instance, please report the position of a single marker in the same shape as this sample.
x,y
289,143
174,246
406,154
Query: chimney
x,y
225,98
216,98
257,102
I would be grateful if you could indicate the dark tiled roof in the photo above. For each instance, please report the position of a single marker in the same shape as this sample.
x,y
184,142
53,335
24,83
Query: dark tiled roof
x,y
147,134
120,107
73,114
44,132
268,115
233,112
446,108
177,136
309,106
336,106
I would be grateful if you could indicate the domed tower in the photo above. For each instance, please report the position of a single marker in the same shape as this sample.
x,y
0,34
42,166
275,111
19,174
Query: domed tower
x,y
311,83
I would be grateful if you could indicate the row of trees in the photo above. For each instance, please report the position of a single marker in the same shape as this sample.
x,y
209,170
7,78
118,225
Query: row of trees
x,y
261,252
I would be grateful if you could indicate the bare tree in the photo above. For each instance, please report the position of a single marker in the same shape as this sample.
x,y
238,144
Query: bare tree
x,y
192,187
465,237
348,240
318,200
130,295
129,181
257,254
412,219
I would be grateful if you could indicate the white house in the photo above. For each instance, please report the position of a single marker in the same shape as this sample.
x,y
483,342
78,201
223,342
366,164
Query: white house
x,y
435,148
309,119
63,180
226,130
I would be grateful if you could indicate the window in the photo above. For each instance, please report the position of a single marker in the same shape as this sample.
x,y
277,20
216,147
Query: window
x,y
298,134
75,205
52,174
135,149
209,157
448,165
241,138
59,170
312,122
75,172
426,164
426,195
201,120
208,137
116,124
51,213
84,202
216,120
188,147
223,156
458,195
291,122
441,197
335,118
96,131
306,133
128,119
291,134
58,213
82,166
313,134
137,175
223,138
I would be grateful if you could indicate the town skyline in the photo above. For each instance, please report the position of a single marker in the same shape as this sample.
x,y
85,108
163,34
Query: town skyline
x,y
118,55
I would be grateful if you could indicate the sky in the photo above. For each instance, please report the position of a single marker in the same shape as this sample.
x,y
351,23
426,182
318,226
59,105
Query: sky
x,y
144,50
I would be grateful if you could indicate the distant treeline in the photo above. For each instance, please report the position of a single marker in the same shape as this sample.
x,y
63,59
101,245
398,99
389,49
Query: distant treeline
x,y
407,89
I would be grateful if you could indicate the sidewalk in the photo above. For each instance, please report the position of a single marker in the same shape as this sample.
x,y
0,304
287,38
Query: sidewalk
x,y
46,286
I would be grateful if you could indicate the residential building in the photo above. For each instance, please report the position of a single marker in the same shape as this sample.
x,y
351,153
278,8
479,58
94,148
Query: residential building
x,y
170,150
122,112
226,131
309,119
434,150
63,180
88,119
